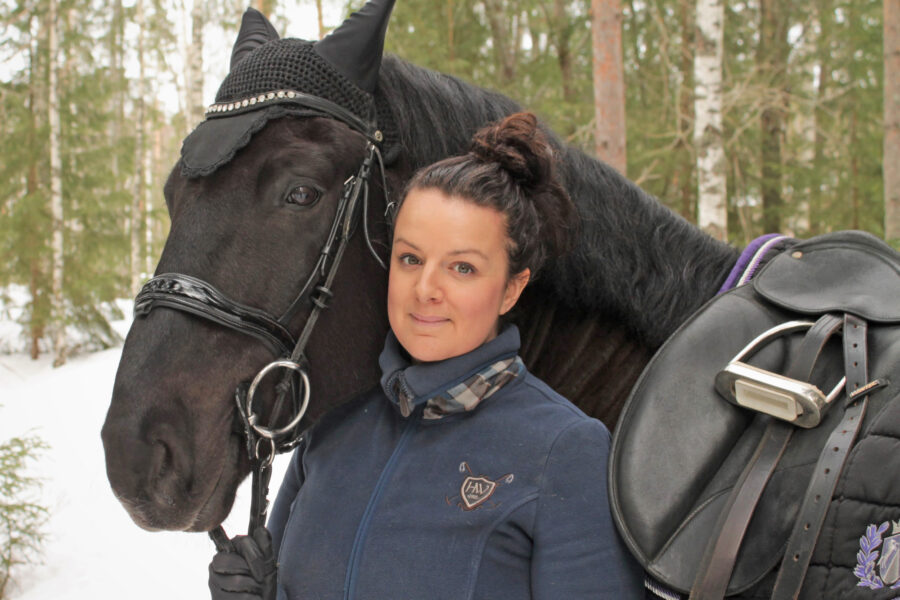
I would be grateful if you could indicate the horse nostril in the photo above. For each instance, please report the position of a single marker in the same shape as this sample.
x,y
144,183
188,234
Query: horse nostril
x,y
167,475
160,459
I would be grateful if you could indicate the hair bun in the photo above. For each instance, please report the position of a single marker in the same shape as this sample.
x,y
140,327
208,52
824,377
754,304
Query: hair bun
x,y
518,146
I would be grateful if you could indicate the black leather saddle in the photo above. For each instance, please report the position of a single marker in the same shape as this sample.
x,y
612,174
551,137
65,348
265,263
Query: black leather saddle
x,y
714,489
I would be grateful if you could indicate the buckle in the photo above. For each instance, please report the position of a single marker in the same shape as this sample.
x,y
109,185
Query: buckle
x,y
798,402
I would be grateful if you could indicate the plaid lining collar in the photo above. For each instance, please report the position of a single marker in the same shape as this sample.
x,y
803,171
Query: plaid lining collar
x,y
457,384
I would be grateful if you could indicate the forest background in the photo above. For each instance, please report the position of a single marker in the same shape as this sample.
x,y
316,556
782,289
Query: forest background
x,y
799,134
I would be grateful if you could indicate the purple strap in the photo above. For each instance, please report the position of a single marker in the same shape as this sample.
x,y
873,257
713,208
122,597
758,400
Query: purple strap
x,y
748,261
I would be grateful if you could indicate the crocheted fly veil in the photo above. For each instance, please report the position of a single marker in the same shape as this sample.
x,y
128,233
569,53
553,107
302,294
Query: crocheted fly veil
x,y
270,78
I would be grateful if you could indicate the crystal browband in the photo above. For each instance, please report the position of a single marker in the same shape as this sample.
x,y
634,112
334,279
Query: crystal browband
x,y
365,126
261,98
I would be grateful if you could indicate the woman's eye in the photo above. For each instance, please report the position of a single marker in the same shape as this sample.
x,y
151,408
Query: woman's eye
x,y
409,259
303,195
464,268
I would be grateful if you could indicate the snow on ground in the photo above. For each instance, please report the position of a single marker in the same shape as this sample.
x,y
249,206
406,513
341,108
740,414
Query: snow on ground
x,y
93,549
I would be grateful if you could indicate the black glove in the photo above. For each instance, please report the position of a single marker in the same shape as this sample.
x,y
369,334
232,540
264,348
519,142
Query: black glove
x,y
247,571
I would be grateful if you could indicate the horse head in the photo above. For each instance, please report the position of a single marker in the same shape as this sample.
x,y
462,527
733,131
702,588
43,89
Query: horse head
x,y
253,202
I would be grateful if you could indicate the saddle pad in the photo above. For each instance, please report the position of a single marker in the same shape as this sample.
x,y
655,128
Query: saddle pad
x,y
679,447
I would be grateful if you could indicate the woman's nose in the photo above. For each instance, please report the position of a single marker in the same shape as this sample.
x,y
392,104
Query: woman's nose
x,y
428,286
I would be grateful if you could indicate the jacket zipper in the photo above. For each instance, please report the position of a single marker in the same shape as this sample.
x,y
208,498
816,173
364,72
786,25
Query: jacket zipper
x,y
362,530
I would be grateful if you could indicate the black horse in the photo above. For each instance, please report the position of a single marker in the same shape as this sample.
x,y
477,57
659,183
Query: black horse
x,y
252,225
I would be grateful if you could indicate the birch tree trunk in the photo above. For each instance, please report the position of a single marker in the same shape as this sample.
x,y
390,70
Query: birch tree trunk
x,y
37,322
56,192
712,213
195,62
137,198
891,159
116,52
609,83
320,20
152,166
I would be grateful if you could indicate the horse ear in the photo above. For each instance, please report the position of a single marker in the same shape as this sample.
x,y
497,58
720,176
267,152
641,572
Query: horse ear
x,y
355,48
255,31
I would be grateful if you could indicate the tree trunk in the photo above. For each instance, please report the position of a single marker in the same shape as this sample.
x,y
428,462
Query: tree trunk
x,y
195,61
772,59
891,159
854,170
116,55
37,321
320,19
562,32
149,213
609,83
502,42
451,25
685,118
137,198
56,191
820,122
712,207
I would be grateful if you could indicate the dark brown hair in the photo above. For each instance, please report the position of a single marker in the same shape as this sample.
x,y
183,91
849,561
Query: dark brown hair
x,y
510,167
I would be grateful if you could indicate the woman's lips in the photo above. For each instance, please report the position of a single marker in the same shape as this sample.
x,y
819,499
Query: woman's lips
x,y
428,320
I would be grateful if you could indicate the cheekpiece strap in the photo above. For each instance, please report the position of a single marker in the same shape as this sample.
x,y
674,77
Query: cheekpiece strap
x,y
189,294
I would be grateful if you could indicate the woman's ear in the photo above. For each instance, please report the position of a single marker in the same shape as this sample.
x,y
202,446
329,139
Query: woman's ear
x,y
514,288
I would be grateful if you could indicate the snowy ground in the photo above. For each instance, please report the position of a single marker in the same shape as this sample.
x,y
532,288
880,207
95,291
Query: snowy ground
x,y
93,550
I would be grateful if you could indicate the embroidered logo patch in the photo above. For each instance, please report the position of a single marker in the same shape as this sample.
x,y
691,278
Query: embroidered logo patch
x,y
475,490
877,569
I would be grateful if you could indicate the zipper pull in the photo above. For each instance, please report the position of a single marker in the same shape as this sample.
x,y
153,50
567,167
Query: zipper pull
x,y
405,408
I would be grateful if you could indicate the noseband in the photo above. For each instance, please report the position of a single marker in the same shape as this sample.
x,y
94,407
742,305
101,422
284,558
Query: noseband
x,y
199,298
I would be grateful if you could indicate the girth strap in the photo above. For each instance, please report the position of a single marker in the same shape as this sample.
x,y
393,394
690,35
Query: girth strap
x,y
711,582
829,466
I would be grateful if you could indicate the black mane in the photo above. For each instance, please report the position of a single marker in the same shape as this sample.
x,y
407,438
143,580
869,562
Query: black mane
x,y
636,261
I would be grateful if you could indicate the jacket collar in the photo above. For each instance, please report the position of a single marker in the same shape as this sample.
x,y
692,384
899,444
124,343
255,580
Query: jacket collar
x,y
409,385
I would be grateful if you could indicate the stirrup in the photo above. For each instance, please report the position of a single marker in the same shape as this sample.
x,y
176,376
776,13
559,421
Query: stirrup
x,y
798,402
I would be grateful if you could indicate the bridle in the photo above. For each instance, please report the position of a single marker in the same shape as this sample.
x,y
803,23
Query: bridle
x,y
197,297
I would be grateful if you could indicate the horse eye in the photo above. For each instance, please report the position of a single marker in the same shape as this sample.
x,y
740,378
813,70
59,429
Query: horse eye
x,y
303,195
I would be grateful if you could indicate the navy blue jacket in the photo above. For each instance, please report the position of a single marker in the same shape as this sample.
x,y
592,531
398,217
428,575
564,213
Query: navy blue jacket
x,y
508,500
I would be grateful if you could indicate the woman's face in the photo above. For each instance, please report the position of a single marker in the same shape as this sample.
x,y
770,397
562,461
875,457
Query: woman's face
x,y
449,278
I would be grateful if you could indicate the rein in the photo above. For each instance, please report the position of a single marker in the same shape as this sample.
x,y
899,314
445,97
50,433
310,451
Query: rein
x,y
197,297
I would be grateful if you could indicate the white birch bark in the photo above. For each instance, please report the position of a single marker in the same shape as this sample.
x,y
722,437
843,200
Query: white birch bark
x,y
137,198
712,214
56,191
195,62
153,161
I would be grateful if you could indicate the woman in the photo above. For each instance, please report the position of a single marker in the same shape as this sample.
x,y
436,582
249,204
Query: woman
x,y
462,475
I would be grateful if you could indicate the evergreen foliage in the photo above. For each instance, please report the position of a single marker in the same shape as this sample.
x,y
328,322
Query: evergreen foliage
x,y
21,518
536,51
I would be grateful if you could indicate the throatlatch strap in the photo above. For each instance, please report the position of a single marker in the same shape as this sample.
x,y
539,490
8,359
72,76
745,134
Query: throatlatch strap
x,y
828,468
711,582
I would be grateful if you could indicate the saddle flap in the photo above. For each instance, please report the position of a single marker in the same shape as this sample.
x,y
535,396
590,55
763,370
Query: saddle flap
x,y
849,271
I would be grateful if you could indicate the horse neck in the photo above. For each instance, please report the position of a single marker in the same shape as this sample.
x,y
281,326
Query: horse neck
x,y
636,260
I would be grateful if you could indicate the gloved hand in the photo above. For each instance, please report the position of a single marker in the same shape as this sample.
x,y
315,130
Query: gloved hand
x,y
247,571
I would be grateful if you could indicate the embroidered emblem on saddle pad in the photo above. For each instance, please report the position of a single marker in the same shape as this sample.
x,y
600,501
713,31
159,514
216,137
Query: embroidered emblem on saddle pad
x,y
886,561
475,490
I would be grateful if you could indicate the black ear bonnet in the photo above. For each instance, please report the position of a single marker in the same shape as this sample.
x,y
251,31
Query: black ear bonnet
x,y
271,78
